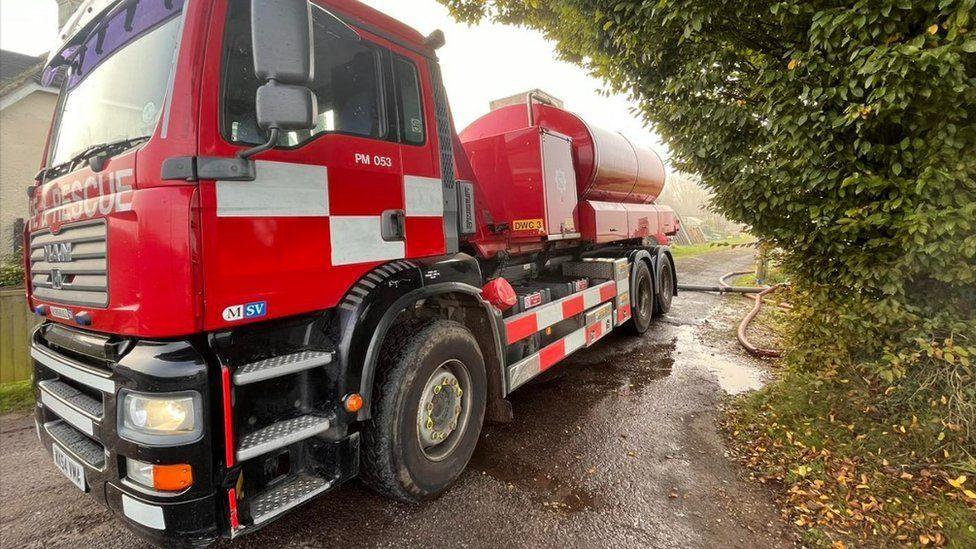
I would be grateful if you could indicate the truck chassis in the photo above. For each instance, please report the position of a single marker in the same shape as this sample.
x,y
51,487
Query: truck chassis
x,y
277,394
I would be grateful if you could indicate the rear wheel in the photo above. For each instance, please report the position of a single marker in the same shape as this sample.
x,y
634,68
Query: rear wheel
x,y
428,409
641,300
665,286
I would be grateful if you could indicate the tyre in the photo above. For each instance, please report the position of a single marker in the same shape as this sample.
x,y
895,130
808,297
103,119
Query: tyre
x,y
665,286
642,301
428,409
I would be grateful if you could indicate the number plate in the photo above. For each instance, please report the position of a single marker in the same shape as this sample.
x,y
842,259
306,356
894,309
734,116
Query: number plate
x,y
69,467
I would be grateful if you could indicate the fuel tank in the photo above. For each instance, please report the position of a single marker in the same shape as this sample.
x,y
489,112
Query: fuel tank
x,y
609,167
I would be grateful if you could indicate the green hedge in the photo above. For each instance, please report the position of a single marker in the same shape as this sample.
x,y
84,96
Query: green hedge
x,y
841,132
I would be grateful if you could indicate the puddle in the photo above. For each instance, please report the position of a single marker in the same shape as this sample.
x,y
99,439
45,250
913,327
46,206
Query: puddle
x,y
734,375
554,406
549,491
629,371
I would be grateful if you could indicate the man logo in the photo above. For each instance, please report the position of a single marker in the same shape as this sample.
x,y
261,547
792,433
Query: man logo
x,y
57,279
59,252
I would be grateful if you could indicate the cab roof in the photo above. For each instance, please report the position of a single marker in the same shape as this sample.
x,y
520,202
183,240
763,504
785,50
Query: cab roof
x,y
378,20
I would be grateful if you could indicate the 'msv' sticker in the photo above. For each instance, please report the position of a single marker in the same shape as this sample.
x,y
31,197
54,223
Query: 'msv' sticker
x,y
247,311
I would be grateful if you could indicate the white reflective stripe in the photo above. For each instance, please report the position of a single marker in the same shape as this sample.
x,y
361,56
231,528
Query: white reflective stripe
x,y
359,239
522,371
548,315
423,196
575,341
70,372
147,515
591,298
67,413
280,190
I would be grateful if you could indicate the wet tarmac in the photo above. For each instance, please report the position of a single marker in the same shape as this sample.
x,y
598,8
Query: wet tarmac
x,y
618,447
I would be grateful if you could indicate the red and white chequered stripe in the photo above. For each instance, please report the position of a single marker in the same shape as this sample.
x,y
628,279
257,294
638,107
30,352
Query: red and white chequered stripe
x,y
530,322
533,365
355,225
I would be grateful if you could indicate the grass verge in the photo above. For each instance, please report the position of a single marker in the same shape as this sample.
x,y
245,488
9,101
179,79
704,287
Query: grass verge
x,y
699,249
849,476
16,397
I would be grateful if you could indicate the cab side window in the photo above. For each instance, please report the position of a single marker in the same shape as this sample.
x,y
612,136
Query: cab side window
x,y
412,126
348,83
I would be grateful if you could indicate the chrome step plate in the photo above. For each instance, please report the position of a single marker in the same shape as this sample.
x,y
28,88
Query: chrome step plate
x,y
72,396
281,434
278,500
76,443
280,366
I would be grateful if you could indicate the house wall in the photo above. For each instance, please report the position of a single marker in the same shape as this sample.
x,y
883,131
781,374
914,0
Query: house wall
x,y
23,133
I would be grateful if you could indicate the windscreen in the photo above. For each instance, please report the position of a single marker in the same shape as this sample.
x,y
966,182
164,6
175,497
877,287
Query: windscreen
x,y
116,85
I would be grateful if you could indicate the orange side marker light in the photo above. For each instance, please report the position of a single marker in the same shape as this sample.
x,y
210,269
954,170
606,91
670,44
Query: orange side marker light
x,y
353,403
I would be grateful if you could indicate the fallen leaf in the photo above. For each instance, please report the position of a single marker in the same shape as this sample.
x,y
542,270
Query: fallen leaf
x,y
958,482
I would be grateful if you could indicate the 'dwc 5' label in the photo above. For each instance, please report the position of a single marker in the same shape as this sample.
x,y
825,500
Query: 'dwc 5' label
x,y
247,311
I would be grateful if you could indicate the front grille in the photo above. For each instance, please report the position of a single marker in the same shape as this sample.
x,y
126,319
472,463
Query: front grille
x,y
71,267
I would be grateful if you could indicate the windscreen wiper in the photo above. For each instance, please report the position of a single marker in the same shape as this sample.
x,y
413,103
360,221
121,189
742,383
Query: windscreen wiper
x,y
95,151
105,148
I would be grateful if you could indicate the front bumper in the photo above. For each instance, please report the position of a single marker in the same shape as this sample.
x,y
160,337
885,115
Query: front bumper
x,y
79,376
76,410
165,521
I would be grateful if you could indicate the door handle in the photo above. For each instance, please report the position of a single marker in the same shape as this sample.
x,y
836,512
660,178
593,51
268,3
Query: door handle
x,y
393,226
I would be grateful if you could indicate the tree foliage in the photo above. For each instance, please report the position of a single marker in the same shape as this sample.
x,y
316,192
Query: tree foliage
x,y
843,132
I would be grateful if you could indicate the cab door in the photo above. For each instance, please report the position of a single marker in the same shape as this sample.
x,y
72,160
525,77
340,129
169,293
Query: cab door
x,y
327,205
424,188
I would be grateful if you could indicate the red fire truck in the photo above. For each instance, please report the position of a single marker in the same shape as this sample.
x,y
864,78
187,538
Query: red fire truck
x,y
267,263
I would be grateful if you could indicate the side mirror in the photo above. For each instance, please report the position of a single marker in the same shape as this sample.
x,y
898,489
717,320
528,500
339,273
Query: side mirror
x,y
281,39
281,36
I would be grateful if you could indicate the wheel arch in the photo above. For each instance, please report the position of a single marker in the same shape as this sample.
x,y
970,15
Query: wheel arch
x,y
364,326
653,259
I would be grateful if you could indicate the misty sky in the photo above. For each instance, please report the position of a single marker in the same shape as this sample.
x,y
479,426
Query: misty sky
x,y
480,63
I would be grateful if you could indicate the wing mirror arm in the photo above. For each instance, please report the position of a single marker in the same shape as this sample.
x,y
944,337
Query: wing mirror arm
x,y
272,142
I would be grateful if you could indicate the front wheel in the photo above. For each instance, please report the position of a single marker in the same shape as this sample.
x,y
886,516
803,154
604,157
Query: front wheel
x,y
428,409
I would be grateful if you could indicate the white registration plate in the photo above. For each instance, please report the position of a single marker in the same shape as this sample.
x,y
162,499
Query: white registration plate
x,y
69,467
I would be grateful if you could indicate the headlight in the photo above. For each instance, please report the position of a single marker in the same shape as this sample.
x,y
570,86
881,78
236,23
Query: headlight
x,y
160,420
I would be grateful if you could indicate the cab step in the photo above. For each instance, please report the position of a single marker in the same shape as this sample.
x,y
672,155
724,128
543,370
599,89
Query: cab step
x,y
291,494
281,366
281,434
73,397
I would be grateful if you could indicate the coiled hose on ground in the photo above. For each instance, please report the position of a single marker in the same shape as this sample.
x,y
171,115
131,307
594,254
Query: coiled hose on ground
x,y
757,294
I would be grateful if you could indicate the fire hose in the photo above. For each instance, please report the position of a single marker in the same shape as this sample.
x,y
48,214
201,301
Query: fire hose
x,y
758,294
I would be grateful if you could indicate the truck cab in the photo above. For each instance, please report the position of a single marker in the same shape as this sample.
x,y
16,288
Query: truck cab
x,y
250,245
